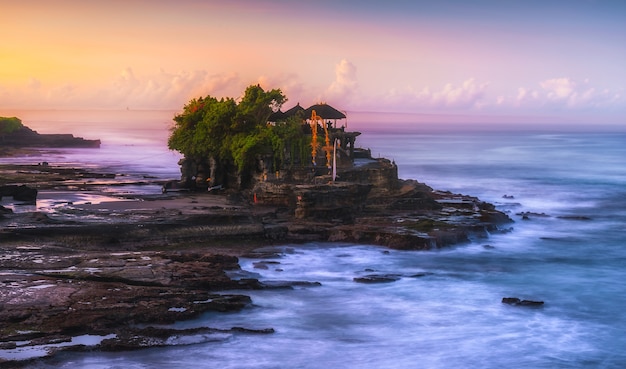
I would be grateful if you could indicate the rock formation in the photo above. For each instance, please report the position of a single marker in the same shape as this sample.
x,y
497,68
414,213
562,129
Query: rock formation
x,y
88,270
26,137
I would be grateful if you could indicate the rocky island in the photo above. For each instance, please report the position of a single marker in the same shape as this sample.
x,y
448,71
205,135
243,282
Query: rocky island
x,y
115,269
15,135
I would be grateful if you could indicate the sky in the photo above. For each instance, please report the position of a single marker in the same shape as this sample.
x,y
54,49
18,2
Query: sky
x,y
491,60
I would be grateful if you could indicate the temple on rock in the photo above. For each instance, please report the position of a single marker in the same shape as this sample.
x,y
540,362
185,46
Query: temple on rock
x,y
321,152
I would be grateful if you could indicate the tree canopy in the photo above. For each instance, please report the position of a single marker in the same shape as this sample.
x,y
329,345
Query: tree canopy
x,y
232,131
9,125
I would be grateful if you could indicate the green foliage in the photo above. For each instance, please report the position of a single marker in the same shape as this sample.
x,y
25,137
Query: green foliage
x,y
236,132
9,125
256,106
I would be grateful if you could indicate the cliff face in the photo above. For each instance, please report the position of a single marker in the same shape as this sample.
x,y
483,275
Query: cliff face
x,y
372,205
26,137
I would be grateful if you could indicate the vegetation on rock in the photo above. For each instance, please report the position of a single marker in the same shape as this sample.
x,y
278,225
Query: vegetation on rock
x,y
235,135
9,125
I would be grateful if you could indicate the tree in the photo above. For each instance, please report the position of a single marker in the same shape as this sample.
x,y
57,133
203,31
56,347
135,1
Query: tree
x,y
226,132
256,106
9,125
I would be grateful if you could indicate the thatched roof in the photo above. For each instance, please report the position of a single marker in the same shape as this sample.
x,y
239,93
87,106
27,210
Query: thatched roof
x,y
280,116
276,116
325,111
293,111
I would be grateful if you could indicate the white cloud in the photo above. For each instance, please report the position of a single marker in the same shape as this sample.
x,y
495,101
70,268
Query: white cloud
x,y
289,83
345,84
566,94
162,90
468,95
167,90
558,88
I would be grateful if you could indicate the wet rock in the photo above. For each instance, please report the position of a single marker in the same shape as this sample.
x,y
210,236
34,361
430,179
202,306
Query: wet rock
x,y
226,303
87,292
419,275
135,338
378,278
526,215
276,284
574,217
519,302
19,193
265,264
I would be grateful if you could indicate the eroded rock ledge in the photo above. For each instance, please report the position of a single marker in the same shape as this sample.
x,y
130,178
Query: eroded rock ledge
x,y
113,269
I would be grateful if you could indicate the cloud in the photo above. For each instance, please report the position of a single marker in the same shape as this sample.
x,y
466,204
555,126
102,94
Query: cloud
x,y
165,90
162,90
289,83
345,84
558,88
468,95
564,93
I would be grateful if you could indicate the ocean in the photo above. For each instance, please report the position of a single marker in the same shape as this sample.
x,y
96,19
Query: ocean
x,y
569,250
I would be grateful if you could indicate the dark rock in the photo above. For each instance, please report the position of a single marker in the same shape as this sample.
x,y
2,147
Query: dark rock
x,y
377,278
518,302
19,192
26,137
528,214
264,264
510,300
288,284
139,338
419,275
225,303
574,217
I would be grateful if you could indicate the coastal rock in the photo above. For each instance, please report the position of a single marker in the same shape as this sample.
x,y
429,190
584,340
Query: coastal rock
x,y
101,269
70,293
519,302
341,201
377,278
574,217
138,338
19,192
26,137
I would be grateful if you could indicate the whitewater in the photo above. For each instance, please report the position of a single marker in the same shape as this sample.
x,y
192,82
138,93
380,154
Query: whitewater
x,y
566,192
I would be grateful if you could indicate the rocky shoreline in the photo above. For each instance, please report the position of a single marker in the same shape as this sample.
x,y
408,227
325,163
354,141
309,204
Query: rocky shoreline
x,y
113,269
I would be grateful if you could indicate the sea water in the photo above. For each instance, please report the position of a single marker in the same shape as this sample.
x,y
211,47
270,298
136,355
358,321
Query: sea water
x,y
445,311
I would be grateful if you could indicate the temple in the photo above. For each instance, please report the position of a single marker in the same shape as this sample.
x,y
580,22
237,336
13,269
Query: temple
x,y
324,149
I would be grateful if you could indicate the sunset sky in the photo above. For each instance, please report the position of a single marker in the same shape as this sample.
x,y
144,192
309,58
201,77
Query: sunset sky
x,y
517,60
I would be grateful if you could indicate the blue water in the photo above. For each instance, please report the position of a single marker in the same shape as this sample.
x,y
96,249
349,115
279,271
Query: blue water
x,y
452,315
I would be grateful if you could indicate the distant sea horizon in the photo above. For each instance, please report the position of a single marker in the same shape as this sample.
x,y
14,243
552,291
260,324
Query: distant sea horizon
x,y
107,125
